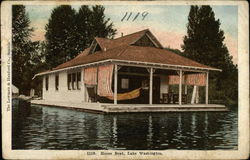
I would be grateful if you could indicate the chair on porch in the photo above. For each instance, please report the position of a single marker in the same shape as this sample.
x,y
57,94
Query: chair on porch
x,y
167,98
170,97
183,98
92,94
175,98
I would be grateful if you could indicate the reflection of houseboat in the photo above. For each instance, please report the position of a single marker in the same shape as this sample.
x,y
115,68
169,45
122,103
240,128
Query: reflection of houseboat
x,y
133,71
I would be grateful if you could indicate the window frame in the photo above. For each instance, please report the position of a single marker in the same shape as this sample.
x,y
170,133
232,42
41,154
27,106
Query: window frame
x,y
46,83
57,82
69,79
78,80
73,80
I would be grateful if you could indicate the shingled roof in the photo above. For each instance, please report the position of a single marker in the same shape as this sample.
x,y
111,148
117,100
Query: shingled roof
x,y
123,48
125,40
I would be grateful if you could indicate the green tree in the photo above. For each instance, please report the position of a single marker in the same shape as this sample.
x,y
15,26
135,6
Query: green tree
x,y
23,49
91,23
69,32
204,43
60,35
37,65
100,26
83,18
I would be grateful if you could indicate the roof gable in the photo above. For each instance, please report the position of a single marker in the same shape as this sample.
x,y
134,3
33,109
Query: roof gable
x,y
141,38
146,41
131,39
94,47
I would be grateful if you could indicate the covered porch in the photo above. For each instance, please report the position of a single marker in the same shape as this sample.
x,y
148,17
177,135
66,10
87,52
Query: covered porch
x,y
154,83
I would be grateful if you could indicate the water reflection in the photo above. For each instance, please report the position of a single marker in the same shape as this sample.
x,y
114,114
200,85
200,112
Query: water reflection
x,y
193,130
38,127
114,135
150,131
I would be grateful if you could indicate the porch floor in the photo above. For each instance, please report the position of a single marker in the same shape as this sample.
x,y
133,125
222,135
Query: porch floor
x,y
112,108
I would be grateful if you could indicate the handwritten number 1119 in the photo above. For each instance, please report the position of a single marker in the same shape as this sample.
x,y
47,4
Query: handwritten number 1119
x,y
129,15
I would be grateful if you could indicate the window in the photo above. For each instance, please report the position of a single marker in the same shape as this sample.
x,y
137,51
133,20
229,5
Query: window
x,y
73,81
57,82
47,83
69,81
78,80
125,83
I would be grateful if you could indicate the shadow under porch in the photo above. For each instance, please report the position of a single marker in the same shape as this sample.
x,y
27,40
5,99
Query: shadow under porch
x,y
131,78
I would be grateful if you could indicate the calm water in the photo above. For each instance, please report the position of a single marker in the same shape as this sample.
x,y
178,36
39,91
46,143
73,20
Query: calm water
x,y
38,127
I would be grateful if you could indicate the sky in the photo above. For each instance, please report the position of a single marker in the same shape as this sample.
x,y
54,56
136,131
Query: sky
x,y
167,22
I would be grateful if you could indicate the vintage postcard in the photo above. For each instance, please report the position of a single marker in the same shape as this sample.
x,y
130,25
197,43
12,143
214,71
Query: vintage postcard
x,y
125,79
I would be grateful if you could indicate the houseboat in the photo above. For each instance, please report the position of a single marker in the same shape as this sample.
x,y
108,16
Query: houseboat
x,y
132,73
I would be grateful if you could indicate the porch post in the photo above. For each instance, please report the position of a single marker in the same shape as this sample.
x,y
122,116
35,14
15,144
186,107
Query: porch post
x,y
83,86
180,87
115,85
207,77
194,94
151,87
185,91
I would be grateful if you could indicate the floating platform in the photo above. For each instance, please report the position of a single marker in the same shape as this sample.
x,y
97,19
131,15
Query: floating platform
x,y
123,108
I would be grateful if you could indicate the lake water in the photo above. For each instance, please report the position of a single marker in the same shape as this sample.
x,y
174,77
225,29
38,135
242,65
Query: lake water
x,y
39,127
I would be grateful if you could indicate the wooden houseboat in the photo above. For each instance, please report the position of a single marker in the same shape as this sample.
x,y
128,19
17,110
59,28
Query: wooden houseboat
x,y
132,73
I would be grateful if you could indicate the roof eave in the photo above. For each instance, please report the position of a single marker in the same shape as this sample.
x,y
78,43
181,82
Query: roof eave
x,y
151,64
72,67
147,64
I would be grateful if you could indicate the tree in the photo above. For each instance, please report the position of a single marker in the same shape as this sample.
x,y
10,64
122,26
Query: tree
x,y
69,32
204,43
60,35
83,18
22,49
100,26
37,65
91,23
